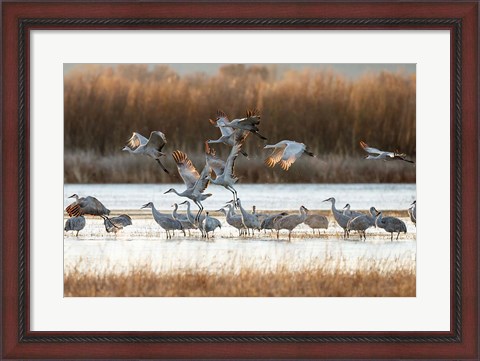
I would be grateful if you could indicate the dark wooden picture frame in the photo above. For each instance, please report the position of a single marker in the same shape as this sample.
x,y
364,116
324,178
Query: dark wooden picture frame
x,y
460,18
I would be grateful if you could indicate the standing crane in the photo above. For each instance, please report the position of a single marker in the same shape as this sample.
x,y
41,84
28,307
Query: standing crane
x,y
346,211
152,147
291,221
210,224
75,224
286,152
390,224
250,221
316,221
166,221
340,218
362,222
235,220
184,219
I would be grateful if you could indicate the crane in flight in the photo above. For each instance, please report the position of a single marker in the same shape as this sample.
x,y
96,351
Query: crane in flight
x,y
374,153
286,152
152,147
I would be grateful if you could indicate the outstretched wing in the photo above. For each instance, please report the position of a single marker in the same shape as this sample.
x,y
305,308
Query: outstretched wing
x,y
202,182
186,169
157,140
230,164
292,152
239,136
136,140
276,156
87,205
215,163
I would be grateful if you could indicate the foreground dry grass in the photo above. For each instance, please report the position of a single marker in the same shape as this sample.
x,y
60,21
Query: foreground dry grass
x,y
312,282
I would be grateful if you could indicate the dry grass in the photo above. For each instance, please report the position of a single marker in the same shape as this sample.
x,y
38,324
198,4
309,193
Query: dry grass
x,y
92,167
373,280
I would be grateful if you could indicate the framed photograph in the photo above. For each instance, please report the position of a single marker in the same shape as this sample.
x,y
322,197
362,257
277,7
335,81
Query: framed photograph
x,y
115,114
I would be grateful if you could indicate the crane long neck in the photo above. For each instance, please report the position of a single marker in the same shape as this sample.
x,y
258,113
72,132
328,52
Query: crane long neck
x,y
157,213
175,208
175,191
241,209
189,213
379,219
334,209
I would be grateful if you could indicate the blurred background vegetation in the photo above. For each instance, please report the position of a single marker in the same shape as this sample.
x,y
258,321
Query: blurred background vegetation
x,y
325,109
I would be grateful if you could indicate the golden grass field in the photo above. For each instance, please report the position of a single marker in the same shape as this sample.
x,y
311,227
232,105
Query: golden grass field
x,y
314,282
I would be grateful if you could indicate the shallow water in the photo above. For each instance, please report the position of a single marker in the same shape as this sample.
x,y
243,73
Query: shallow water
x,y
144,243
264,196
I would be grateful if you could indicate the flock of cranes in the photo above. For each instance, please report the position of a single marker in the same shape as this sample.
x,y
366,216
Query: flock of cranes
x,y
221,172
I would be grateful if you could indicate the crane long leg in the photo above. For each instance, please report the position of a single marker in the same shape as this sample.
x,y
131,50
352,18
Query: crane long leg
x,y
200,209
259,135
161,165
235,197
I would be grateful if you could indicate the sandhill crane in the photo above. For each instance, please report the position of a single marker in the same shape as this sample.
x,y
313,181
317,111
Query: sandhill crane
x,y
346,211
75,224
340,218
249,123
412,212
374,153
138,144
235,220
196,183
191,217
224,170
316,221
229,136
187,224
390,224
261,217
86,205
165,221
362,222
250,221
286,153
210,224
269,221
291,221
115,224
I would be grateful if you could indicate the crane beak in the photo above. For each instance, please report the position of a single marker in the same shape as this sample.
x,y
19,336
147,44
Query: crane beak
x,y
144,206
